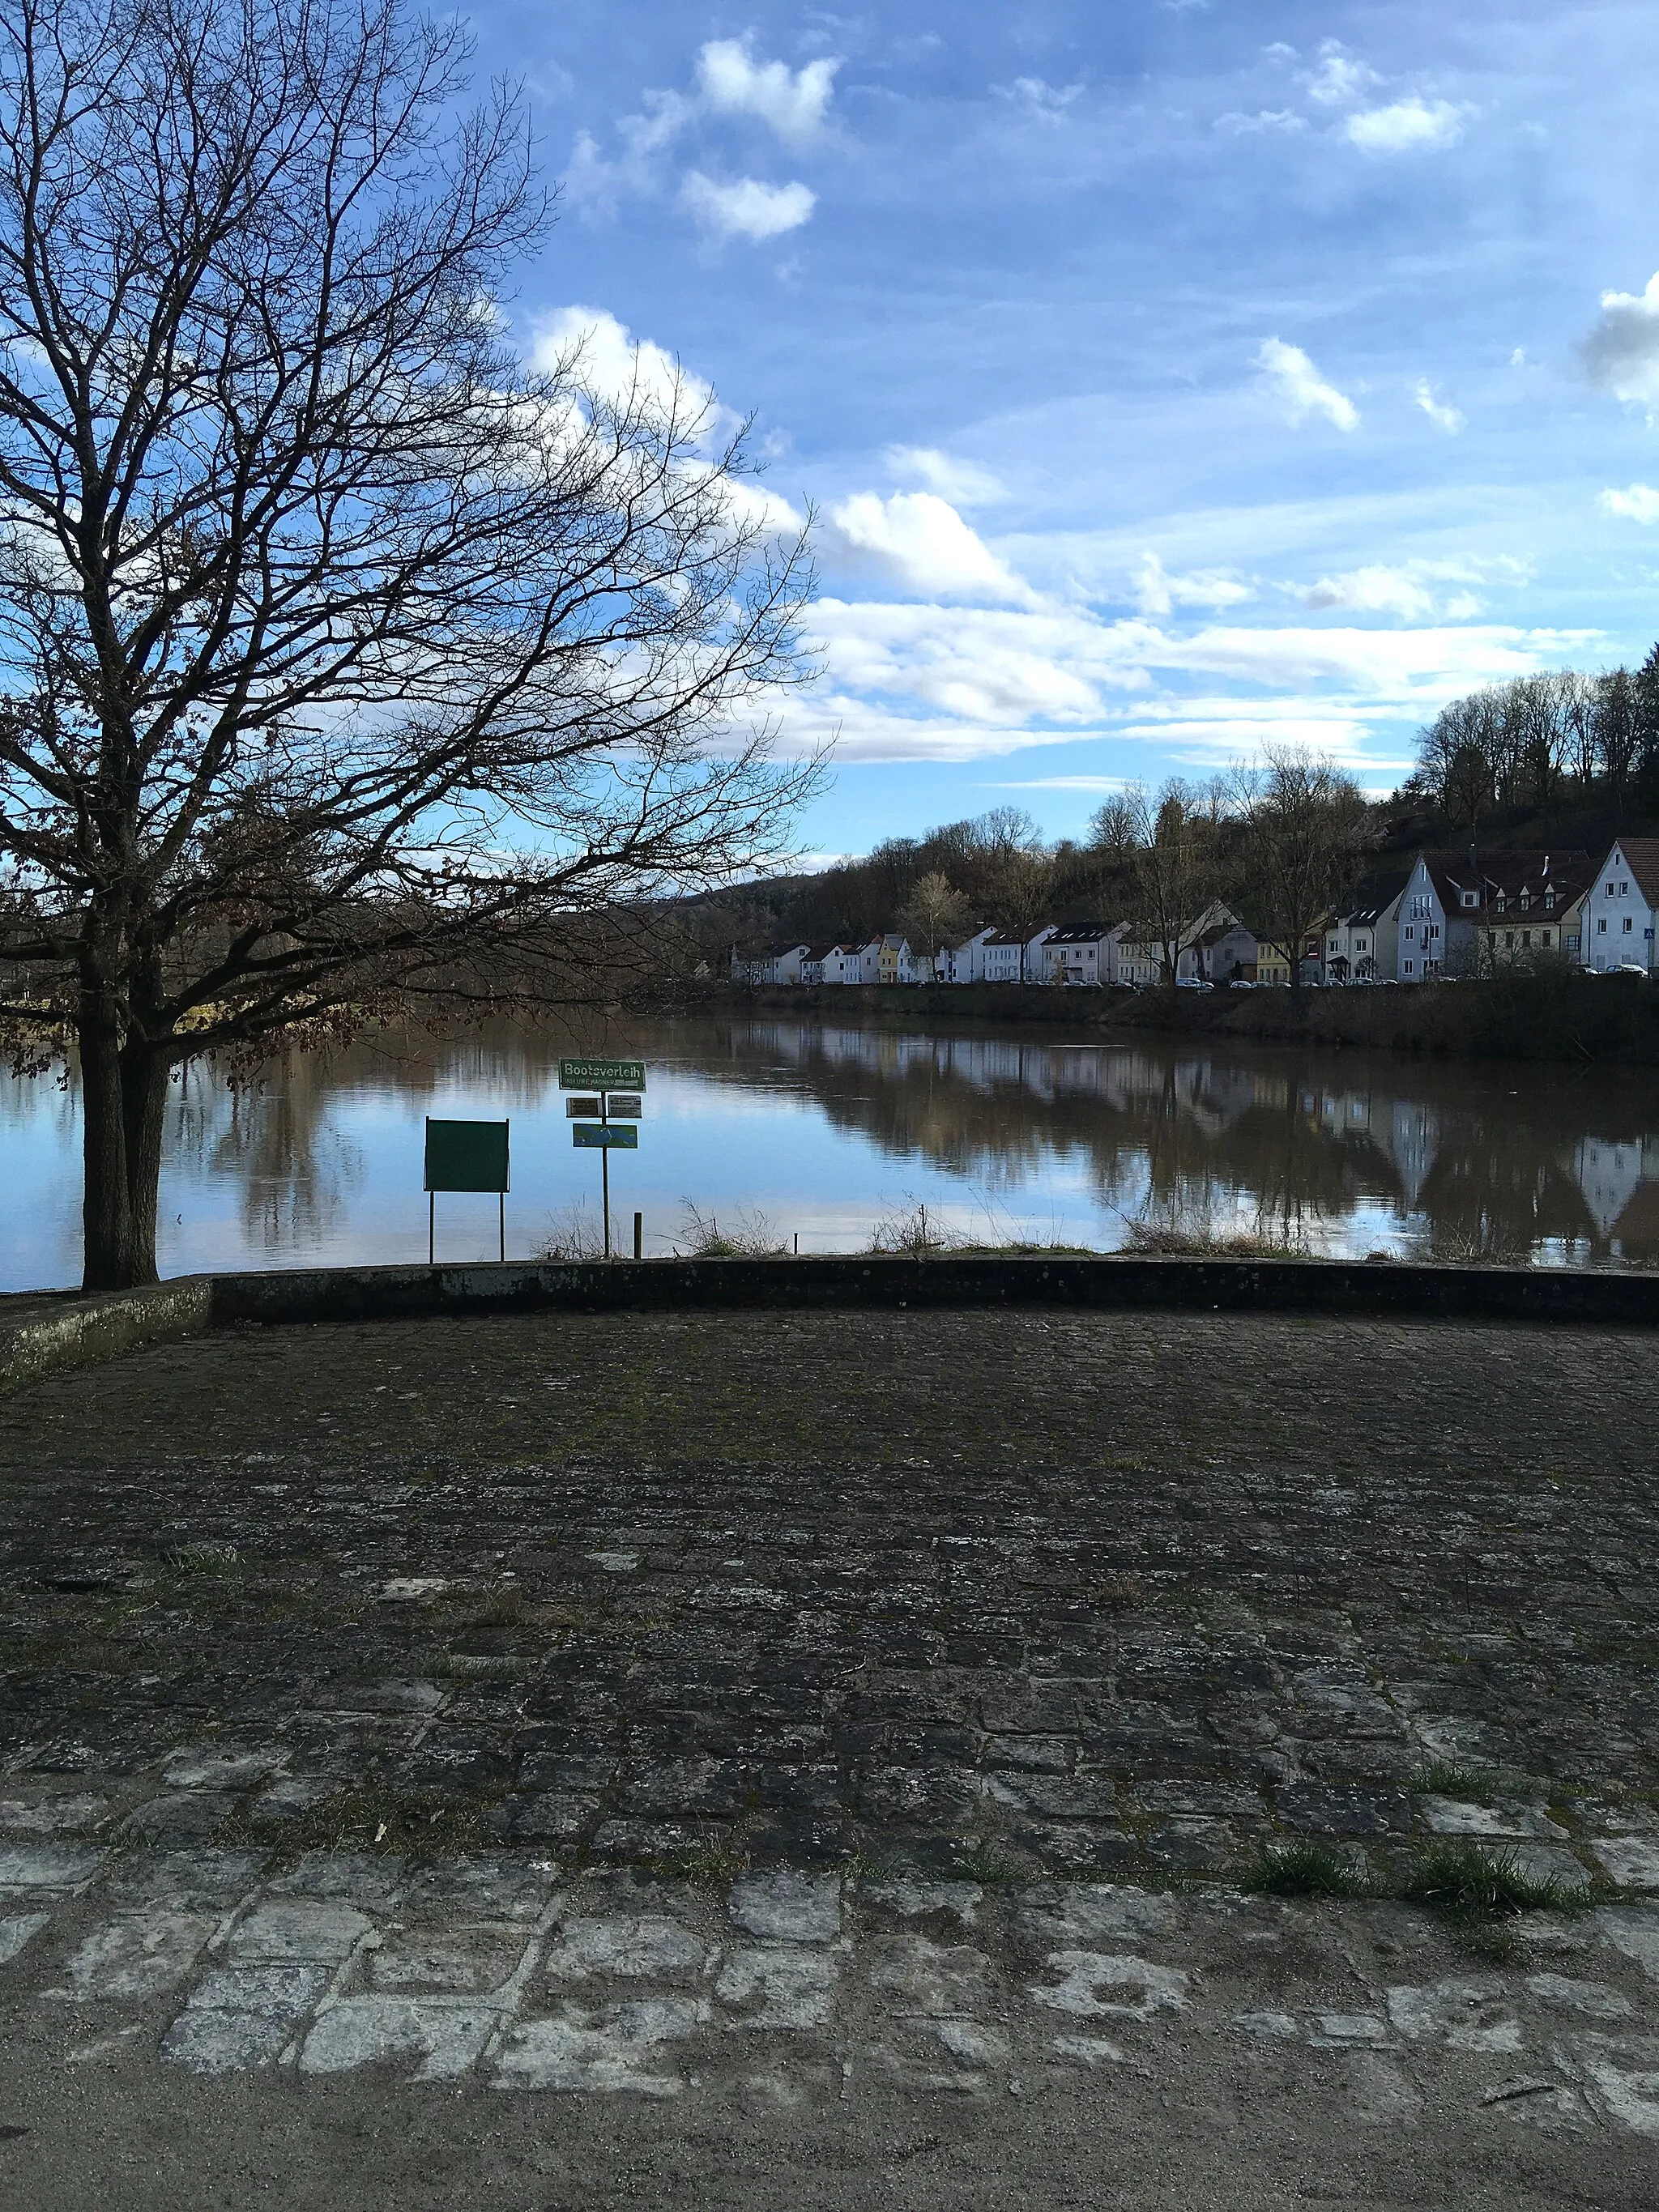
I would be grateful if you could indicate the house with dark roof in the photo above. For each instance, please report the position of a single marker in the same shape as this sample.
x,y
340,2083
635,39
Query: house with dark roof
x,y
1461,913
1357,942
1622,908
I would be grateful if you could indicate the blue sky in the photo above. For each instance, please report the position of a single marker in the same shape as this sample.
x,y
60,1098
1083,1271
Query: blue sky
x,y
1167,376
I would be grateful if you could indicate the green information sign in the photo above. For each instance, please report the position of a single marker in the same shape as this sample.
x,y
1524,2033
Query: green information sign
x,y
466,1156
604,1137
601,1075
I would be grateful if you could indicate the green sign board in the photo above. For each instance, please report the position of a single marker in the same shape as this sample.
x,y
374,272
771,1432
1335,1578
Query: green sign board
x,y
466,1156
601,1075
604,1137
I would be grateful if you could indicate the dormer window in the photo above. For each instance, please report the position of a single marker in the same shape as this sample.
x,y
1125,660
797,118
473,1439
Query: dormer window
x,y
1471,898
1503,902
1549,901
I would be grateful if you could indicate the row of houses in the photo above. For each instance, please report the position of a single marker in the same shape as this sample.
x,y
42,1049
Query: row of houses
x,y
1446,913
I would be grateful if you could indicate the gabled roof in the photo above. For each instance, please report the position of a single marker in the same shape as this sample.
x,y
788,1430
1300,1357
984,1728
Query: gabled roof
x,y
1368,901
1565,873
1643,854
1085,933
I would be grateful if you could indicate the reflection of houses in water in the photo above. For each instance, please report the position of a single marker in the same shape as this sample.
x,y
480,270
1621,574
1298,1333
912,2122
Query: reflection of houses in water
x,y
1411,1140
1620,1183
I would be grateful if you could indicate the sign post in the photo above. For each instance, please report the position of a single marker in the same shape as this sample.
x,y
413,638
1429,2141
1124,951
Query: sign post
x,y
618,1087
465,1156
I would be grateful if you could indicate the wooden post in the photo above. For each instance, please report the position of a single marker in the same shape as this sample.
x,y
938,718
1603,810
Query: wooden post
x,y
431,1228
639,1236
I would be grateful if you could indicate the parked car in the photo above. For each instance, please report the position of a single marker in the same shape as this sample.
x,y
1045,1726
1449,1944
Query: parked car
x,y
1193,983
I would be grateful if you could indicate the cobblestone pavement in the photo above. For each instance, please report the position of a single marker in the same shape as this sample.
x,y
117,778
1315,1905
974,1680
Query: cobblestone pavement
x,y
828,1710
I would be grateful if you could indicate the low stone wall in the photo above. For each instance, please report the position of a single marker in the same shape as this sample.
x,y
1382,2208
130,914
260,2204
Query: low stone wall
x,y
76,1332
80,1332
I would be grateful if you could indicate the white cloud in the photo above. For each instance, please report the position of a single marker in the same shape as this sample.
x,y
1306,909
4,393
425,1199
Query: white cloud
x,y
610,362
1376,589
1340,78
1157,592
792,102
746,208
923,544
1440,412
1046,102
964,483
1621,354
1637,502
1239,126
1003,671
1413,125
1298,385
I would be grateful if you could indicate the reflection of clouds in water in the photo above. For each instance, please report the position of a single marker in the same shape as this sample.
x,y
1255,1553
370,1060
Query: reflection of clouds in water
x,y
831,1125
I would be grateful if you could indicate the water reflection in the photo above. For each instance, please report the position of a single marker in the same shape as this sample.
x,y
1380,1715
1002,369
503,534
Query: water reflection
x,y
829,1128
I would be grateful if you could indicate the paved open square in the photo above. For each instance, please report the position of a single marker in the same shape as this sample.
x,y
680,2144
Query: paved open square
x,y
559,1754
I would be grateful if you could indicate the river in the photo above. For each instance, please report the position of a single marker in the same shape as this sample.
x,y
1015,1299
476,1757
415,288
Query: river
x,y
820,1137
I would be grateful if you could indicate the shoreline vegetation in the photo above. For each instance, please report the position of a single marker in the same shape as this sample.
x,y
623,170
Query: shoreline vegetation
x,y
1570,1017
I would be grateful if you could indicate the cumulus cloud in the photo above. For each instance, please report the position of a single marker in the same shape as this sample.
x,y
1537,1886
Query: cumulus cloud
x,y
729,81
1340,78
921,541
746,208
1296,384
1035,97
964,483
1159,592
612,363
1621,354
791,102
1413,125
1637,502
605,359
1441,412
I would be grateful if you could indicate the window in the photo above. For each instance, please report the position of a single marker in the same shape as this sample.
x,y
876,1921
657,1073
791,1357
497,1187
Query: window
x,y
1609,891
1408,966
1549,901
1471,898
1544,936
1526,937
1509,941
1623,889
1629,925
1411,933
1360,945
1601,927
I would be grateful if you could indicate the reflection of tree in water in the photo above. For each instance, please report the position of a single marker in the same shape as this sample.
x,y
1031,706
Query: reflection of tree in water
x,y
1288,1144
276,1131
1474,1161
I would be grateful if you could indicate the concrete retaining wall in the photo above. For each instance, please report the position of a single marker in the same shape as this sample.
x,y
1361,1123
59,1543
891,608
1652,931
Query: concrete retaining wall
x,y
73,1332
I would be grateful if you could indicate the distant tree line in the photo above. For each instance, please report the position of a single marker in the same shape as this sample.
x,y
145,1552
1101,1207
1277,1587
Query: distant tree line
x,y
1539,742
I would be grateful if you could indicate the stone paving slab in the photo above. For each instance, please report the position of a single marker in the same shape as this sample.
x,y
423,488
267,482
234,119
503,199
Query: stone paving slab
x,y
923,1763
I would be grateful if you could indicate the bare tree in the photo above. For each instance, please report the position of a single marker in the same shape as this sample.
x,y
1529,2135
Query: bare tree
x,y
344,660
935,913
1300,824
1173,874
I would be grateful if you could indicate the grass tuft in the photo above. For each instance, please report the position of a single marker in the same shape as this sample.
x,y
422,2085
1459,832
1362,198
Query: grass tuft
x,y
1305,1868
1466,1785
1473,1886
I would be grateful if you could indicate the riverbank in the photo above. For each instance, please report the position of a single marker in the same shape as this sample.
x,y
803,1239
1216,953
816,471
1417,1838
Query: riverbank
x,y
1578,1019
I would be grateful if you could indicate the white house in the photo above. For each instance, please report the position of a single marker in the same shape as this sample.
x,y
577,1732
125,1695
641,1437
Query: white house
x,y
1622,908
773,964
1358,944
964,963
842,963
1009,959
1085,954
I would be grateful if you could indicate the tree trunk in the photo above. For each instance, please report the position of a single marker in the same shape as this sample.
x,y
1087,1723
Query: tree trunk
x,y
123,1089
